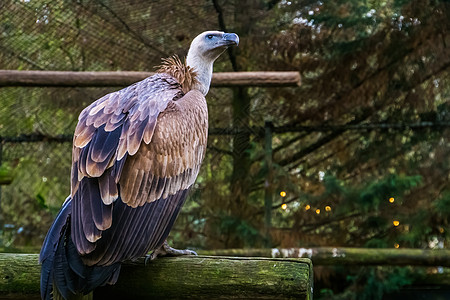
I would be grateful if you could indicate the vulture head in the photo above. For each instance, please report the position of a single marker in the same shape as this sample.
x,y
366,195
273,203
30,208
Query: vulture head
x,y
204,50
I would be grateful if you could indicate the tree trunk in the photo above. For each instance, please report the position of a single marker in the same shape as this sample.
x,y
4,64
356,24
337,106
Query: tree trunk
x,y
241,145
240,181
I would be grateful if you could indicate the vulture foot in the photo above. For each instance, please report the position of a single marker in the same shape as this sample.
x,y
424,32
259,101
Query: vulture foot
x,y
166,250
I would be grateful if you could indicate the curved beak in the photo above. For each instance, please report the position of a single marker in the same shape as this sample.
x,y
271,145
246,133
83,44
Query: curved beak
x,y
230,39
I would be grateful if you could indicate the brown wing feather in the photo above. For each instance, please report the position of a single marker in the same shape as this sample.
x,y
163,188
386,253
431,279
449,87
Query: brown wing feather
x,y
173,157
108,131
119,112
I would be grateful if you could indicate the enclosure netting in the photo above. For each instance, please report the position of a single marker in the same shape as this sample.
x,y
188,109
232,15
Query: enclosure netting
x,y
76,36
381,66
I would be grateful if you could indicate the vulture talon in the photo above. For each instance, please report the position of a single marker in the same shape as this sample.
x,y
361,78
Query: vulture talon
x,y
148,258
166,250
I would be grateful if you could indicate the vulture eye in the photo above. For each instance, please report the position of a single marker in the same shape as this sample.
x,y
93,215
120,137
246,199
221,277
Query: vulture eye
x,y
209,36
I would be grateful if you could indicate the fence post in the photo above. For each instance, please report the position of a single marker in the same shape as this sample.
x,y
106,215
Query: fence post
x,y
268,185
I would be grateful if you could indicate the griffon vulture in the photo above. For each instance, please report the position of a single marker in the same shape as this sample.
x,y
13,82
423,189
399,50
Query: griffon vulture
x,y
136,153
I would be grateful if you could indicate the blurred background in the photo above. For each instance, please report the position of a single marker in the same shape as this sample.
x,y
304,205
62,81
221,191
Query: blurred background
x,y
359,154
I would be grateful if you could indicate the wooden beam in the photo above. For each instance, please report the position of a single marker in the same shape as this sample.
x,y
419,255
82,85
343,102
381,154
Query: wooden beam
x,y
200,277
263,79
124,78
19,276
348,256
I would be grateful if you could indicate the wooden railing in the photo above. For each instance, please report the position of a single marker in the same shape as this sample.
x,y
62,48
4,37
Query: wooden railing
x,y
193,277
124,78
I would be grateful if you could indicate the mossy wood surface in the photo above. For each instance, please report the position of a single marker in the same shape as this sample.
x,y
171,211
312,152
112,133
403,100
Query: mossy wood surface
x,y
201,277
208,277
347,256
19,276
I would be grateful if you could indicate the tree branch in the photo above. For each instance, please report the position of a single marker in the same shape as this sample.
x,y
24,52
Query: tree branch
x,y
223,27
222,151
131,31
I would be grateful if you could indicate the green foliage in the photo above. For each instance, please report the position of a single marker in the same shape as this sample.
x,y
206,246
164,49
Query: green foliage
x,y
362,213
442,205
377,243
5,173
368,282
229,225
372,283
377,192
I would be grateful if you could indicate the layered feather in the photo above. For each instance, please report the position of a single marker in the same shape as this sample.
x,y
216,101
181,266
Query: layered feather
x,y
172,160
183,73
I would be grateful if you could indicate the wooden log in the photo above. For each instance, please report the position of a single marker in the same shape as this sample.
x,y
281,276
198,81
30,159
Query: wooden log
x,y
19,276
200,277
124,78
348,256
209,277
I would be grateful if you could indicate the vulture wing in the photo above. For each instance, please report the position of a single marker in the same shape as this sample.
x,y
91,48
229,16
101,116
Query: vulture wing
x,y
136,152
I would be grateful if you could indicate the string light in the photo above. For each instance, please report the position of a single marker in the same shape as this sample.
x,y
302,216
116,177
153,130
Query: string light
x,y
283,194
396,246
396,223
327,208
318,211
307,207
284,206
391,200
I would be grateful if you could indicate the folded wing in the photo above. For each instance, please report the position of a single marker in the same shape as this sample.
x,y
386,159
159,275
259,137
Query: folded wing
x,y
136,152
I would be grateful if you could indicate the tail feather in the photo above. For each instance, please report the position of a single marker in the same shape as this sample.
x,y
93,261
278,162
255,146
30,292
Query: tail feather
x,y
88,277
47,255
54,234
62,266
64,280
